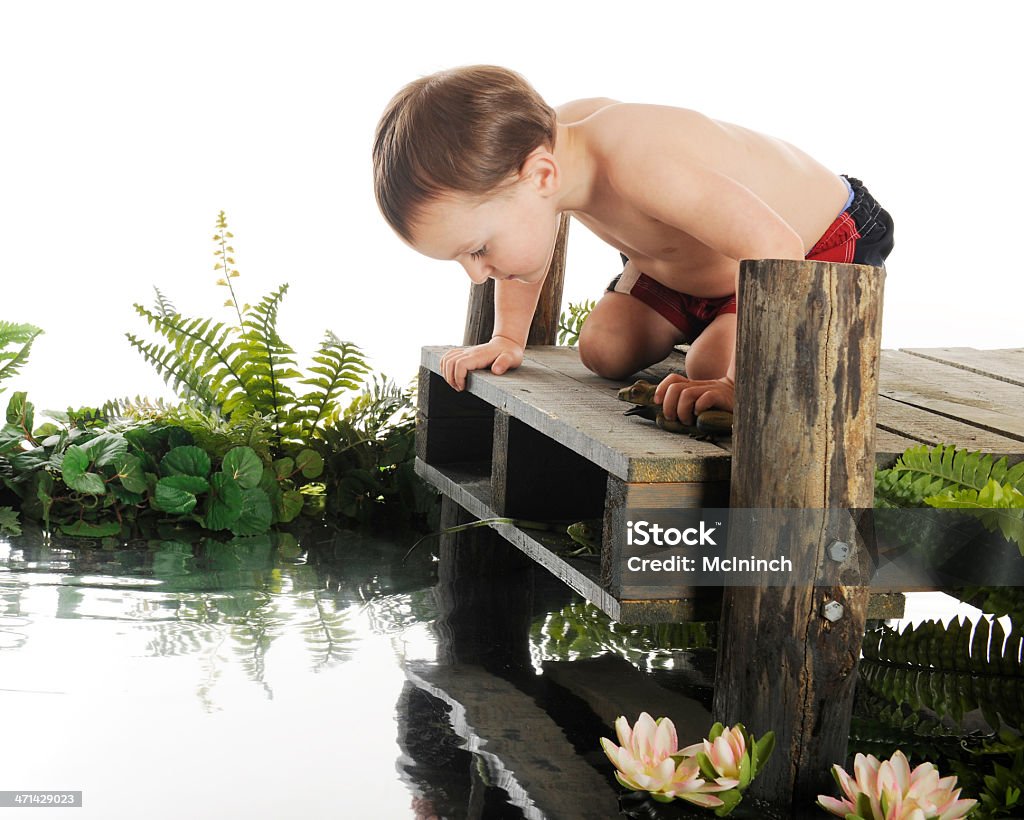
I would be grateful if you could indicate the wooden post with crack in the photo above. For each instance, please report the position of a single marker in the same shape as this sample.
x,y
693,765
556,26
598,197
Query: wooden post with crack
x,y
806,397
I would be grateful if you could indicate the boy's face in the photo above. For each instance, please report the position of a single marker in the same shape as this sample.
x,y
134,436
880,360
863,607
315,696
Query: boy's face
x,y
509,235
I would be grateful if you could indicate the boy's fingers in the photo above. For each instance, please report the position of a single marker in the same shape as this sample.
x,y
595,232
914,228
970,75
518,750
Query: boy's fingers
x,y
664,384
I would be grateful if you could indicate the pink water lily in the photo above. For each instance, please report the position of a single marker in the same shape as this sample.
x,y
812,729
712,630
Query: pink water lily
x,y
889,790
725,753
644,761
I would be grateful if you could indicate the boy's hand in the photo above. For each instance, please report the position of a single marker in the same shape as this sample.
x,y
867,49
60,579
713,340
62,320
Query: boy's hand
x,y
682,398
499,353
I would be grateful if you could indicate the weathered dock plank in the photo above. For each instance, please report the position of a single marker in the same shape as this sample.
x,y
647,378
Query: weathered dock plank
x,y
981,401
1005,365
550,441
591,423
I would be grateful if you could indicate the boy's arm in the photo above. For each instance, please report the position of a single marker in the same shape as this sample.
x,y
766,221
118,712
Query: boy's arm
x,y
514,306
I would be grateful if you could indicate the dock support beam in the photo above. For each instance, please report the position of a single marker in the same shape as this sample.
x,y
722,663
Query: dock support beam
x,y
806,396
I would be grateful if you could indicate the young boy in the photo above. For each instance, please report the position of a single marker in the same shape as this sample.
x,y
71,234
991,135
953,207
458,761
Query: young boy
x,y
472,165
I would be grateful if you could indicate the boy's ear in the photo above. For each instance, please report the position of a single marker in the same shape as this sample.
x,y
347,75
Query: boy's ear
x,y
541,170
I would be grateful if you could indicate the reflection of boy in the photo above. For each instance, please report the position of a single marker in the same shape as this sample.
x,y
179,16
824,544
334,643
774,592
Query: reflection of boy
x,y
472,165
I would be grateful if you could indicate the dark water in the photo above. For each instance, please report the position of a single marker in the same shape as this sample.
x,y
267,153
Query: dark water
x,y
271,678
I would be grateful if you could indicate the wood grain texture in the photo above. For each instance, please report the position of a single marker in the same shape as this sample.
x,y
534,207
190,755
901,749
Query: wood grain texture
x,y
804,437
981,401
1005,365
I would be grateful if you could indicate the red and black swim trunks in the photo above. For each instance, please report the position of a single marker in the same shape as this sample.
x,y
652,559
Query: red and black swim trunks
x,y
861,234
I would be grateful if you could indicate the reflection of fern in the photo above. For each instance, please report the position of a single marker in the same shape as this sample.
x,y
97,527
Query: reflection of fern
x,y
948,670
581,631
878,726
12,334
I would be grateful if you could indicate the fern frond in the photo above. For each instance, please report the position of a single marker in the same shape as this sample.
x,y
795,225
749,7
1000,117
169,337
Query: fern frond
x,y
267,363
163,305
179,375
922,472
570,326
15,334
999,507
340,366
204,358
217,435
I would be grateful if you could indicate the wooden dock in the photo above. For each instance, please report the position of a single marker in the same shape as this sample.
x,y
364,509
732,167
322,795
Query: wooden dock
x,y
549,442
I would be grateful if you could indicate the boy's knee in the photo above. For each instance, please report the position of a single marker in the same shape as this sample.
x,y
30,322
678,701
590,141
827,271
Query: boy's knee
x,y
602,358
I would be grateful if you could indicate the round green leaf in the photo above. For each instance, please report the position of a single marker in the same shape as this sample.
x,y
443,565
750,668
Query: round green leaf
x,y
90,483
224,504
310,463
186,460
189,483
129,470
106,448
243,465
290,505
75,463
284,467
256,513
171,498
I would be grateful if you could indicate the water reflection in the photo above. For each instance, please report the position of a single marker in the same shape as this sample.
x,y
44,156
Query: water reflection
x,y
264,678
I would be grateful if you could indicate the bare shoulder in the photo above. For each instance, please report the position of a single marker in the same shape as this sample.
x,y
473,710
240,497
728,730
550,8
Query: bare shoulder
x,y
576,110
630,138
639,124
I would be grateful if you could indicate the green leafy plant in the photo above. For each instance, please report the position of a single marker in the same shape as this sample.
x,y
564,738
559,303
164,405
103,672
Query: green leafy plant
x,y
9,523
234,371
945,477
570,323
124,478
21,338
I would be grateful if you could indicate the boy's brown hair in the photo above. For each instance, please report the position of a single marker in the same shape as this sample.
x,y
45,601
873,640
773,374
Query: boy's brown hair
x,y
464,130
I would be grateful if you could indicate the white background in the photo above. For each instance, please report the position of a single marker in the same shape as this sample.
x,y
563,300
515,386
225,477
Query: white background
x,y
126,127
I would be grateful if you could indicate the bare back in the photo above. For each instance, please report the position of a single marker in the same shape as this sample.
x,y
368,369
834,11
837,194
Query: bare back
x,y
655,175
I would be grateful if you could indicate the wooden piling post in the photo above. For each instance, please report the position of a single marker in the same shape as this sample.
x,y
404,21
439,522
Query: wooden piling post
x,y
804,435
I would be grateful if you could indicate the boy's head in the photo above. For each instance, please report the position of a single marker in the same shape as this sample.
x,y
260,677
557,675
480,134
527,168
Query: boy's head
x,y
465,131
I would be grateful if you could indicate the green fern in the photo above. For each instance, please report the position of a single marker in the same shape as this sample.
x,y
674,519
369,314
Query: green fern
x,y
570,325
20,335
923,472
339,366
264,363
194,365
945,477
948,669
